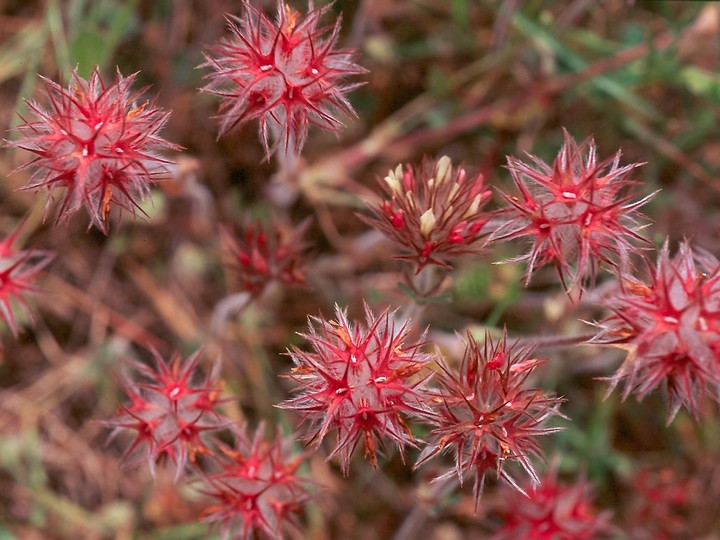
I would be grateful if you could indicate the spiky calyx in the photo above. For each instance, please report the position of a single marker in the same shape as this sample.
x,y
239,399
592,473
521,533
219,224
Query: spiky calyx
x,y
486,415
287,74
670,328
552,510
95,142
578,213
169,413
18,271
256,488
433,213
360,380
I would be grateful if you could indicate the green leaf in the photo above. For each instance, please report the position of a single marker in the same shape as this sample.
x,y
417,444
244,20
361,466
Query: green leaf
x,y
575,62
87,50
7,535
701,83
460,13
99,34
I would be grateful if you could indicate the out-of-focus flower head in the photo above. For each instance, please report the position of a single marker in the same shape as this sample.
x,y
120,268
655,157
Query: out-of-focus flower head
x,y
18,271
661,503
96,142
670,328
287,74
263,253
257,488
552,510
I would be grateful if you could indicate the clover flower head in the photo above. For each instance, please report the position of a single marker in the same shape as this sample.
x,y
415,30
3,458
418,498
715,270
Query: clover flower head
x,y
96,142
18,271
169,413
257,487
578,213
552,510
263,253
286,73
432,213
670,328
360,380
662,502
487,416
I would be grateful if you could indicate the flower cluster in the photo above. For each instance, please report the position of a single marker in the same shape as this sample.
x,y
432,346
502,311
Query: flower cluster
x,y
287,74
266,253
169,413
257,488
670,328
97,143
360,380
18,270
574,212
552,511
486,416
432,212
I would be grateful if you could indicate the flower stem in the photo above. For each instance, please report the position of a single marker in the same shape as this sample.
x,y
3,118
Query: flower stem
x,y
554,342
412,525
422,287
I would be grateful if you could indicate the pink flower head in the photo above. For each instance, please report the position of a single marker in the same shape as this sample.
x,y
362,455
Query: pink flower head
x,y
284,73
257,489
574,212
18,270
670,328
169,413
97,143
552,511
432,212
265,253
486,416
360,380
662,502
